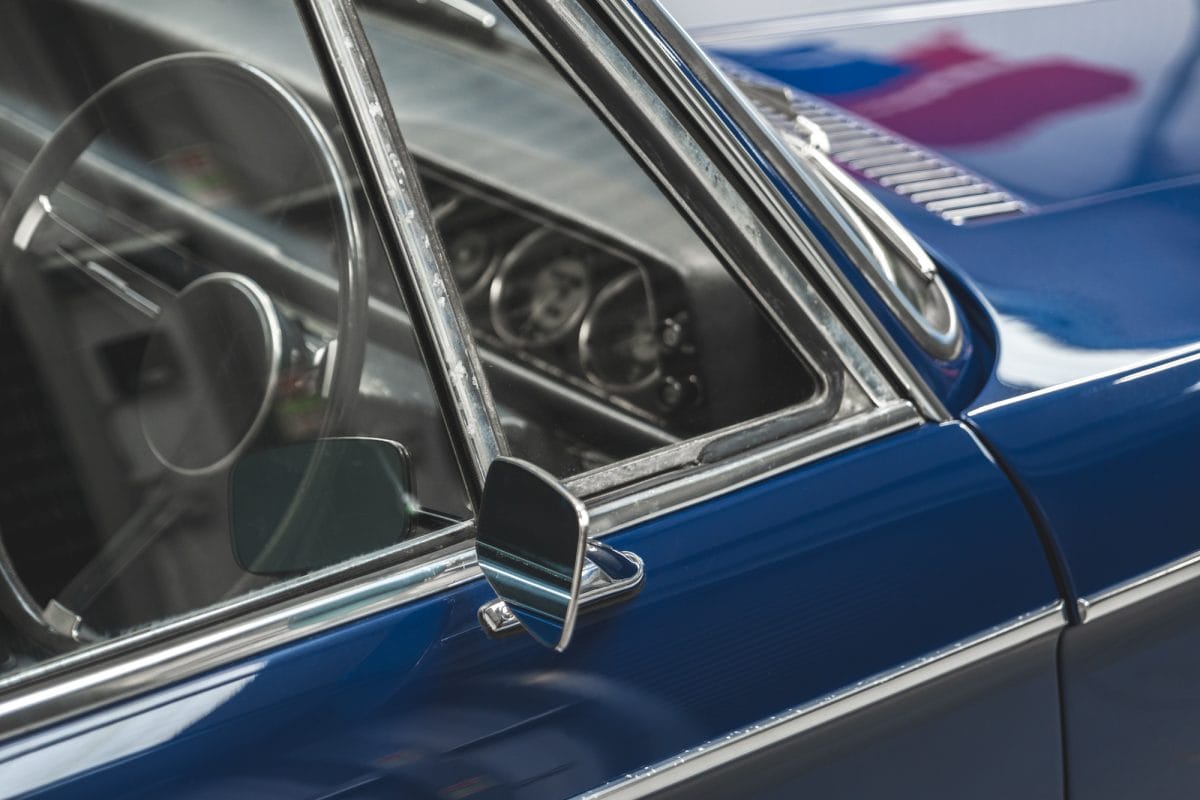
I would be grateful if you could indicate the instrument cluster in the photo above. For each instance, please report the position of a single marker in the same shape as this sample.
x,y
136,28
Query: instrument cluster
x,y
561,300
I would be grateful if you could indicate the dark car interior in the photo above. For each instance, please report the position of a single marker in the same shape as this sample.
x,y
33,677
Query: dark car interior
x,y
606,328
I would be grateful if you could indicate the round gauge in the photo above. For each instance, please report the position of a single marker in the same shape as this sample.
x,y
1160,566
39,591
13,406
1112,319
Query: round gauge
x,y
541,291
470,236
618,345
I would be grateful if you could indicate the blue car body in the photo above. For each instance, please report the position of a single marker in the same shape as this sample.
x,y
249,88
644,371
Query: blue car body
x,y
1055,499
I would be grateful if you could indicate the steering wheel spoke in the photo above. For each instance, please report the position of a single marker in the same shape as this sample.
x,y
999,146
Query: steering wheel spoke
x,y
107,265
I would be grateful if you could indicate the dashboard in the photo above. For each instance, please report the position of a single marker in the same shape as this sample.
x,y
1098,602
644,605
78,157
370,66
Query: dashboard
x,y
607,321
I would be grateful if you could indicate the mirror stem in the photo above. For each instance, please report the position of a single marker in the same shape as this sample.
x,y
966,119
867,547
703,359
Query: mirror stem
x,y
609,576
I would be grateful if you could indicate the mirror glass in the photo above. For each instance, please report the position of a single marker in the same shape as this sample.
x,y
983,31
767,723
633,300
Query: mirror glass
x,y
530,540
313,504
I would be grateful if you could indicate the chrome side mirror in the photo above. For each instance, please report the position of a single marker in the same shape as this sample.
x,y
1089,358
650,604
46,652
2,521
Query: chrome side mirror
x,y
532,545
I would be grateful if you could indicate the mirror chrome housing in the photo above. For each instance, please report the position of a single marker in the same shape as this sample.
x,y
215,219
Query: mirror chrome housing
x,y
532,545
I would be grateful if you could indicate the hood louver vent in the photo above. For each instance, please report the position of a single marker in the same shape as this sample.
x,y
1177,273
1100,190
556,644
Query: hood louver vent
x,y
949,191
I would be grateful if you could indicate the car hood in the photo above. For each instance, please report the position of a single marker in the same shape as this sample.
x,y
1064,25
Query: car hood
x,y
1086,113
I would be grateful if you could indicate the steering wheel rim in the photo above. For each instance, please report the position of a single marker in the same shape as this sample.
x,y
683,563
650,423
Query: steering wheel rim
x,y
25,210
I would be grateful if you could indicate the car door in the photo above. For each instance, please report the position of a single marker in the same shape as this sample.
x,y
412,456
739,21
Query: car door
x,y
1115,484
844,595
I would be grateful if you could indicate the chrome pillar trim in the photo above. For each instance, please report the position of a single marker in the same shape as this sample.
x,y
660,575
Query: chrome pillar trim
x,y
415,250
942,341
786,423
664,47
141,662
801,719
1143,587
570,34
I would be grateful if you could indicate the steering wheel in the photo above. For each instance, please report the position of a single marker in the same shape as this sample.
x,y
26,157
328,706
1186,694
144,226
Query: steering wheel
x,y
222,335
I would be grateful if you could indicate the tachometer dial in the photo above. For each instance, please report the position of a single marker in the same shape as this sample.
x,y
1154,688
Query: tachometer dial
x,y
541,291
618,342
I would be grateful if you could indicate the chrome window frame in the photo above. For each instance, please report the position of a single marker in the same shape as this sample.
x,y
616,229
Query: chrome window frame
x,y
661,39
612,52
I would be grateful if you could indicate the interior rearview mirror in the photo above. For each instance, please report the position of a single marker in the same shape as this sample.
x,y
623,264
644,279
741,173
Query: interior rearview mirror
x,y
309,505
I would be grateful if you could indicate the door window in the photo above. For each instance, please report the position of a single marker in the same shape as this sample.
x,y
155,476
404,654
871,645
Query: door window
x,y
606,327
210,382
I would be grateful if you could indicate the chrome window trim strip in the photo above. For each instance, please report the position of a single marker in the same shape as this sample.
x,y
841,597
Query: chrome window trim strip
x,y
141,662
799,720
1142,587
689,452
99,681
617,512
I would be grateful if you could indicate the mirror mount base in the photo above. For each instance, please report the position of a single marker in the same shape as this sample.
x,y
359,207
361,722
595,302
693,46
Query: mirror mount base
x,y
609,576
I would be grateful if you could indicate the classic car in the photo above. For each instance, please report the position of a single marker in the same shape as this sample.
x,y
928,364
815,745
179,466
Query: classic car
x,y
534,399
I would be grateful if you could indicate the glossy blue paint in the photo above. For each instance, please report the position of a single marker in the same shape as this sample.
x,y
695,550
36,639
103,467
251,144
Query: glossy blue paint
x,y
1058,104
1079,292
755,601
1101,274
1088,112
930,744
1112,463
1081,297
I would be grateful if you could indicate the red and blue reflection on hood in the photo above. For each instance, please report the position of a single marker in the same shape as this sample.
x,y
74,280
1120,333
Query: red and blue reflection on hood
x,y
946,92
1087,111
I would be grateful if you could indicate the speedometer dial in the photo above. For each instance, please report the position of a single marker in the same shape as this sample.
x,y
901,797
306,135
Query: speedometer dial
x,y
541,291
618,345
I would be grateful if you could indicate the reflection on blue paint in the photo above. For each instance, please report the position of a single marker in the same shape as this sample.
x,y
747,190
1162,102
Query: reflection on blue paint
x,y
822,68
